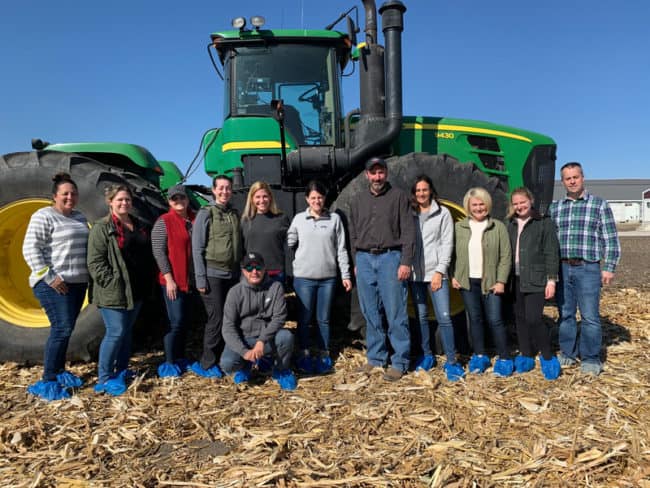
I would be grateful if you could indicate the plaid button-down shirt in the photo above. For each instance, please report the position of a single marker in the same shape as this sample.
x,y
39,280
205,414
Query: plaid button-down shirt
x,y
586,230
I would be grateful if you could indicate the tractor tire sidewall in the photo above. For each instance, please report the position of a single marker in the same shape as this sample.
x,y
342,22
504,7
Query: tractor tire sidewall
x,y
29,176
451,180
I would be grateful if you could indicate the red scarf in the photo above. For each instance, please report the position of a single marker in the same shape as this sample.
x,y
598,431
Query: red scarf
x,y
179,248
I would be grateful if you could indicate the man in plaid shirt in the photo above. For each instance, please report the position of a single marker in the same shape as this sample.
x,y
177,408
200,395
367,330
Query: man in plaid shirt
x,y
589,250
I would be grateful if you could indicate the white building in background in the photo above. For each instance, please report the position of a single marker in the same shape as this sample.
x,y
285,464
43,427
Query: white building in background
x,y
629,199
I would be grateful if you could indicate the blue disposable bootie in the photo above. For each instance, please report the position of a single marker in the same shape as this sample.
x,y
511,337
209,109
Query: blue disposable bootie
x,y
323,365
285,379
68,380
454,371
550,367
48,390
115,386
503,367
305,364
241,376
126,375
425,363
478,363
524,364
264,364
211,372
169,370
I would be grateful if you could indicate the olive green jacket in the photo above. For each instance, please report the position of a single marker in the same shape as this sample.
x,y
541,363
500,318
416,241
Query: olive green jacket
x,y
109,285
497,255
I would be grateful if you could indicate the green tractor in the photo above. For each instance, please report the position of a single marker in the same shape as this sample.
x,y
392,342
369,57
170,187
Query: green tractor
x,y
284,124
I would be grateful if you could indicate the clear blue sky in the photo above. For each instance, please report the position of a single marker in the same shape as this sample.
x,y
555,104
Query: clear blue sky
x,y
138,71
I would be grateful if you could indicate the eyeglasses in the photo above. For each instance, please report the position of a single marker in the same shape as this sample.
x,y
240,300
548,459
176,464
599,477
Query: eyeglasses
x,y
252,267
178,197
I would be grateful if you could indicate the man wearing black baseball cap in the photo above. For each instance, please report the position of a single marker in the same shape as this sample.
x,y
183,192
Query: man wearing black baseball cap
x,y
382,238
253,320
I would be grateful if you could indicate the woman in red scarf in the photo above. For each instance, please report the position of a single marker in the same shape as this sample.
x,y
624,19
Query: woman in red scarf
x,y
171,242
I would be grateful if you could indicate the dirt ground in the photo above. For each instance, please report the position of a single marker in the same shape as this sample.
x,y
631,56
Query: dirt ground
x,y
634,269
346,429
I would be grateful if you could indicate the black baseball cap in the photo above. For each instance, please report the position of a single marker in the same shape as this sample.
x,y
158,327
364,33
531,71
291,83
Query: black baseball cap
x,y
252,258
376,161
176,190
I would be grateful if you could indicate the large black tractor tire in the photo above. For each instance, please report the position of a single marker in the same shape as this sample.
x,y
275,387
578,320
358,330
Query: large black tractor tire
x,y
451,179
26,186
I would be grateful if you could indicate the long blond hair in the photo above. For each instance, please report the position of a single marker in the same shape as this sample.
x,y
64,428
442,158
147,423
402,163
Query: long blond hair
x,y
112,190
522,190
250,210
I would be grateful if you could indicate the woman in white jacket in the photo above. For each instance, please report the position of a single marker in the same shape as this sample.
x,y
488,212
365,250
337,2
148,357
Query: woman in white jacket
x,y
434,247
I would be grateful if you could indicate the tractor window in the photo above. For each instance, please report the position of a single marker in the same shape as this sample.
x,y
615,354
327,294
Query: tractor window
x,y
303,76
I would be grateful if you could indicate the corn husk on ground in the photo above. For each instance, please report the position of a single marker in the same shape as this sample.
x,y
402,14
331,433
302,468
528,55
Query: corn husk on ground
x,y
345,429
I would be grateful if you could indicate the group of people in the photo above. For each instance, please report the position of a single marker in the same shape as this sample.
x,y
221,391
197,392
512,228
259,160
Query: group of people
x,y
238,265
397,241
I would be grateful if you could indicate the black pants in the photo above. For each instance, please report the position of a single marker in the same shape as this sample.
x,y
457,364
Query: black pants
x,y
532,333
213,302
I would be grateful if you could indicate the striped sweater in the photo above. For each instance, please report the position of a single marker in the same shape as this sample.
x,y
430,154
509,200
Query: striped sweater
x,y
55,245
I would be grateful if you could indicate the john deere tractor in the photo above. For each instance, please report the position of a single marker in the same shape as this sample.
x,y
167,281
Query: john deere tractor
x,y
283,123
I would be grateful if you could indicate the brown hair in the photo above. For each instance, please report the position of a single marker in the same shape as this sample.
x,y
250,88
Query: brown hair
x,y
60,179
112,190
432,189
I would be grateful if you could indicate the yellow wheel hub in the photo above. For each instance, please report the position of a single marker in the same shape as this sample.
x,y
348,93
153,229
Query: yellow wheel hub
x,y
18,305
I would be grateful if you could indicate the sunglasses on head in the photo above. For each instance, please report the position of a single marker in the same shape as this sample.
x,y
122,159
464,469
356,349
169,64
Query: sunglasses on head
x,y
179,197
252,267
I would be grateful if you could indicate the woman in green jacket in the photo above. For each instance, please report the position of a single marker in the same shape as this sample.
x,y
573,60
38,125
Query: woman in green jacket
x,y
536,254
120,267
481,270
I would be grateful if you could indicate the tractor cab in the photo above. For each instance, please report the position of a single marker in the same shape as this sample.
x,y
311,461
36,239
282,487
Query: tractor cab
x,y
300,68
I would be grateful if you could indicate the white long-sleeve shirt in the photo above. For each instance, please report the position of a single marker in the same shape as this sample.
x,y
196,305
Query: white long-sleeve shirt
x,y
56,245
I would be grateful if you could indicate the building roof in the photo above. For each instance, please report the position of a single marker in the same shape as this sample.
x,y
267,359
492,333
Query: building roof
x,y
612,190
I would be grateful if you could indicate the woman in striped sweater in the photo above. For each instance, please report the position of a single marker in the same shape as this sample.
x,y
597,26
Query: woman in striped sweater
x,y
55,251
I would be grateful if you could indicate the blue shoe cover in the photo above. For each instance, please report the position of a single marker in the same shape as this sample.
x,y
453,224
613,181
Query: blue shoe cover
x,y
115,386
524,364
169,370
454,371
285,379
241,376
48,390
211,372
550,367
306,364
478,363
323,365
264,364
126,375
425,363
503,367
68,380
183,364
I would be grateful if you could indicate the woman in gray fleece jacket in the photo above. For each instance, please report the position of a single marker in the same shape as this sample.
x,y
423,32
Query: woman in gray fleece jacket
x,y
319,240
433,250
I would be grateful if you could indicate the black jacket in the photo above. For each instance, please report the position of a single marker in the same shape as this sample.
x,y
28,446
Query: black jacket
x,y
539,252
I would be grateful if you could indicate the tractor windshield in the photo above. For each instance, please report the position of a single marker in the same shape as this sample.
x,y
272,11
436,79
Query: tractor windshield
x,y
305,77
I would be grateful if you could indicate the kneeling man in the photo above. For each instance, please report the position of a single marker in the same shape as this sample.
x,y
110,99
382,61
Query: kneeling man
x,y
253,320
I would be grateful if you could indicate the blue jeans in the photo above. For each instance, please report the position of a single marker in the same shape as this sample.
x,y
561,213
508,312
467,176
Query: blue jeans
x,y
579,287
281,347
314,294
115,349
62,312
440,301
377,286
178,312
488,307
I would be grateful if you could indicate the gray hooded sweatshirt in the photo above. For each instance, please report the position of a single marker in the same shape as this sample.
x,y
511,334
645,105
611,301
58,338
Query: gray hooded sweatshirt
x,y
434,243
253,312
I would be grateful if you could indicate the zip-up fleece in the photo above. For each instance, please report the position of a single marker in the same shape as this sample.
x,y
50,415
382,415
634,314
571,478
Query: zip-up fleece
x,y
434,243
253,311
497,254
